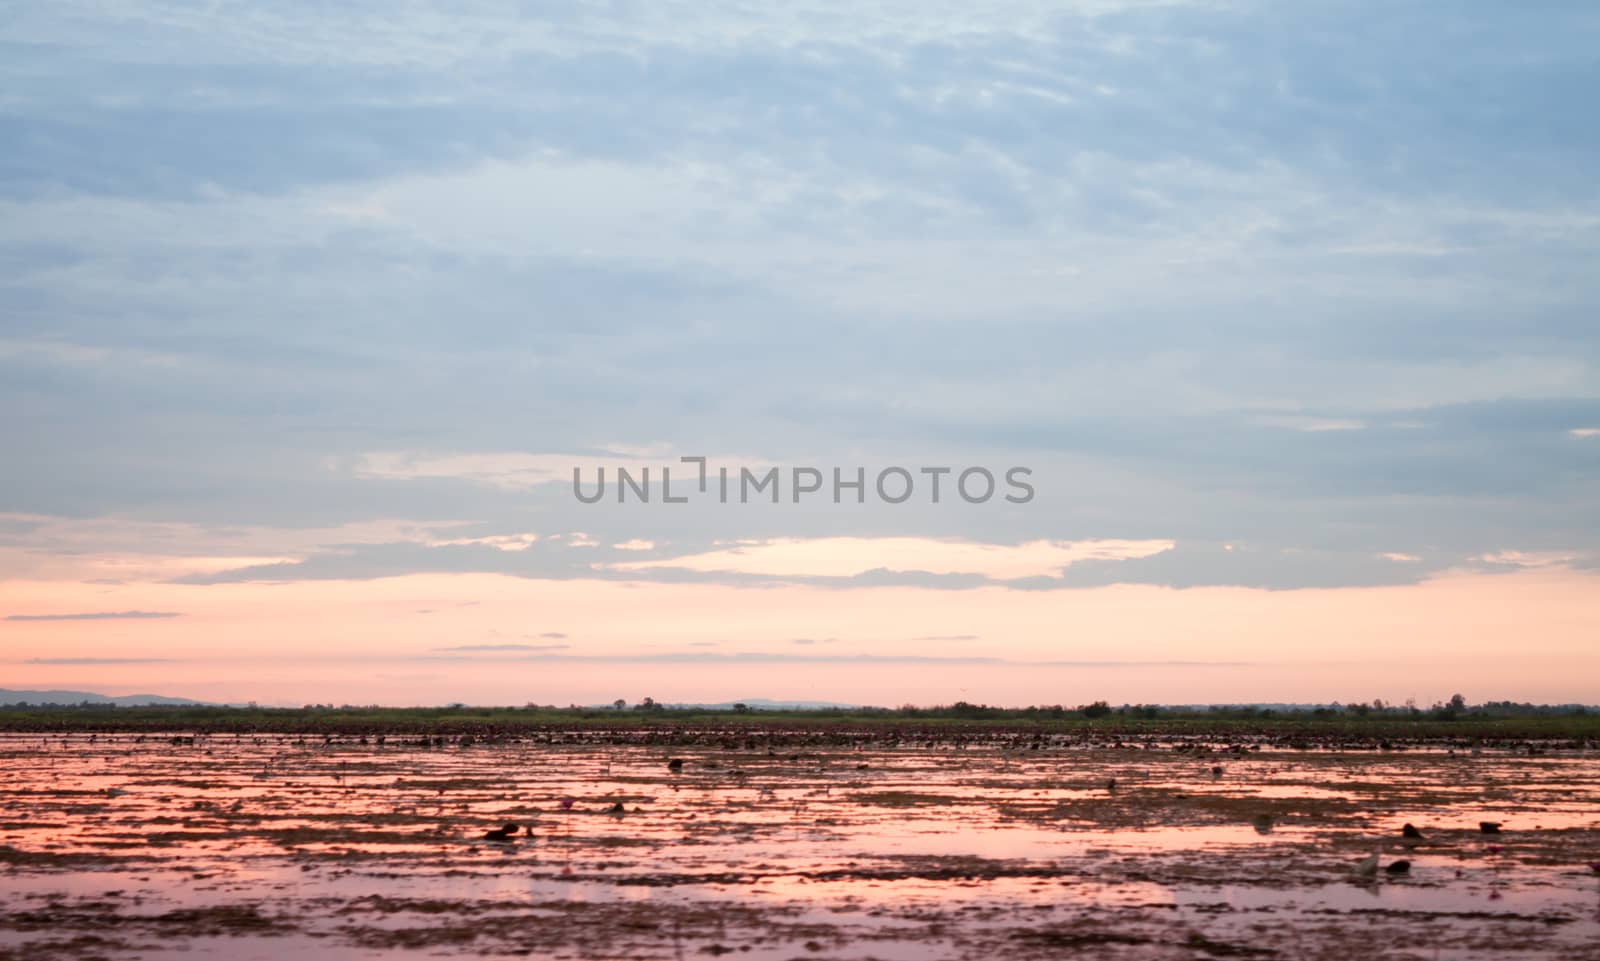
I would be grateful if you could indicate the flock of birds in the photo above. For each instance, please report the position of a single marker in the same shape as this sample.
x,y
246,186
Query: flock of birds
x,y
1410,837
1367,868
506,832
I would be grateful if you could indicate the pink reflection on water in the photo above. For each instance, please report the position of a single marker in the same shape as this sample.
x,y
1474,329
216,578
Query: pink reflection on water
x,y
858,841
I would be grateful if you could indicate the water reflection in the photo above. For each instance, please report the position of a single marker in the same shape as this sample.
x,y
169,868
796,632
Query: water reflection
x,y
357,850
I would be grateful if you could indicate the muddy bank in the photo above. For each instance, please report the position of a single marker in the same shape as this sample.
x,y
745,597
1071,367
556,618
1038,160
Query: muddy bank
x,y
913,847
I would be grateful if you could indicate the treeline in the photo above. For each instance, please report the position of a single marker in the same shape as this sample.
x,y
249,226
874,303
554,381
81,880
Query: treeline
x,y
1453,709
1498,720
1456,708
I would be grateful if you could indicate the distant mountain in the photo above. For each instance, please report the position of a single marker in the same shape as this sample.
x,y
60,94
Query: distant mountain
x,y
81,697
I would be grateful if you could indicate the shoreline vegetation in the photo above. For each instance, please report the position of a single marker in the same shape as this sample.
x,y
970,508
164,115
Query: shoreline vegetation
x,y
1446,722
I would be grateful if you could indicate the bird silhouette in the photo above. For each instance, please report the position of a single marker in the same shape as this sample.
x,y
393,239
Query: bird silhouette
x,y
1489,827
1398,867
1367,867
502,833
675,765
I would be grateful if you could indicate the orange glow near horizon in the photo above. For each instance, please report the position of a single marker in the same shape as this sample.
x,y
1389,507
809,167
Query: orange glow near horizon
x,y
1527,635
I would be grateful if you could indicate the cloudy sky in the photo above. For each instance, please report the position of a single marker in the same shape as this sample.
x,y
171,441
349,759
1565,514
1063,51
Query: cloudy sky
x,y
308,313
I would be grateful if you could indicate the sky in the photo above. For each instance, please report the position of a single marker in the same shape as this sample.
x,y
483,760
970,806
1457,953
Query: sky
x,y
1286,314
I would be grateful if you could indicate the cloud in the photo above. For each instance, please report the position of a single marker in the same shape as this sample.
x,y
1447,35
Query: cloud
x,y
97,660
944,247
1184,564
96,616
766,657
495,648
1511,559
862,556
505,542
1191,565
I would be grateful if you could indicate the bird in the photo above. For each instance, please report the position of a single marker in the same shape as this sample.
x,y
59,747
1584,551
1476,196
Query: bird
x,y
1594,866
115,792
1489,827
1216,771
616,810
675,765
566,803
1263,823
1398,867
1410,836
1111,784
502,833
1367,867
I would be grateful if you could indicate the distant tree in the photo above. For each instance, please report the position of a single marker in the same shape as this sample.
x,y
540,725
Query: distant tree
x,y
967,711
648,704
1097,709
1458,703
620,704
741,708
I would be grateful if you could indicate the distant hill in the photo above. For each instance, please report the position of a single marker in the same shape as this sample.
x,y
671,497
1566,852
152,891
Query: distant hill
x,y
81,697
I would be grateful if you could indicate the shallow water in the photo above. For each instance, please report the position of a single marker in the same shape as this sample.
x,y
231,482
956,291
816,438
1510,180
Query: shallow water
x,y
120,846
